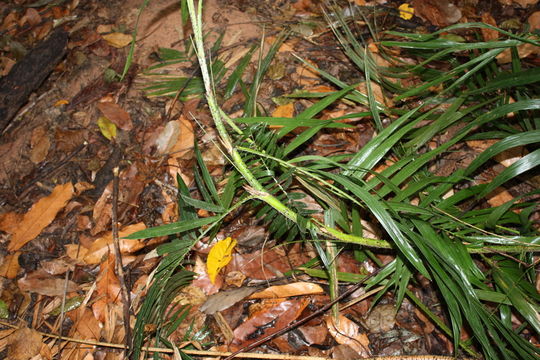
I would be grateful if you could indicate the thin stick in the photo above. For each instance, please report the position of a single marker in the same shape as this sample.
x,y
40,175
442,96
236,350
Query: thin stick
x,y
62,314
118,262
224,353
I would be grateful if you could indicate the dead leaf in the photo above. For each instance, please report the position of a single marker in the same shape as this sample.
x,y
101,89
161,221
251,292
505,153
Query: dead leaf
x,y
524,50
116,114
104,244
32,16
525,3
534,21
40,215
438,12
219,256
277,312
225,299
203,280
168,137
377,93
346,332
406,11
85,325
107,128
489,34
382,318
288,290
23,344
42,283
286,111
183,148
9,222
10,267
108,289
118,40
40,145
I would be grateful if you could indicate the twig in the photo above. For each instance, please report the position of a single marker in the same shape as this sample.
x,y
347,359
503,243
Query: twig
x,y
304,320
118,263
62,314
224,353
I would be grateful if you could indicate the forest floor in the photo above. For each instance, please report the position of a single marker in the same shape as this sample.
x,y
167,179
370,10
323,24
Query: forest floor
x,y
57,181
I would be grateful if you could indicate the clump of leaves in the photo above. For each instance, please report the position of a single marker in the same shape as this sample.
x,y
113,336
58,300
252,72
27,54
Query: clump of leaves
x,y
480,257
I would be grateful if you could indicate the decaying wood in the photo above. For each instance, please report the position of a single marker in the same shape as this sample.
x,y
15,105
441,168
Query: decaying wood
x,y
28,74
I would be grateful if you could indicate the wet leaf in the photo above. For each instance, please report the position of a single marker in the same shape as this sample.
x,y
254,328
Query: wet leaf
x,y
219,256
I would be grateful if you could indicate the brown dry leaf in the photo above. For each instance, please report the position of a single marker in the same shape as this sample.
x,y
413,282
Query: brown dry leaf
x,y
42,283
118,40
10,221
32,16
168,137
85,324
203,280
116,114
382,318
286,111
524,50
314,334
58,266
10,267
24,344
40,215
308,76
506,158
40,144
288,290
76,252
489,34
347,332
108,289
104,244
225,299
534,21
183,148
377,93
321,89
438,12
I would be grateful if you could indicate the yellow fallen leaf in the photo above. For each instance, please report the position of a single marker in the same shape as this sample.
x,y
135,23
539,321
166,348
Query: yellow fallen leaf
x,y
107,127
61,102
118,40
40,216
406,11
286,110
219,256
